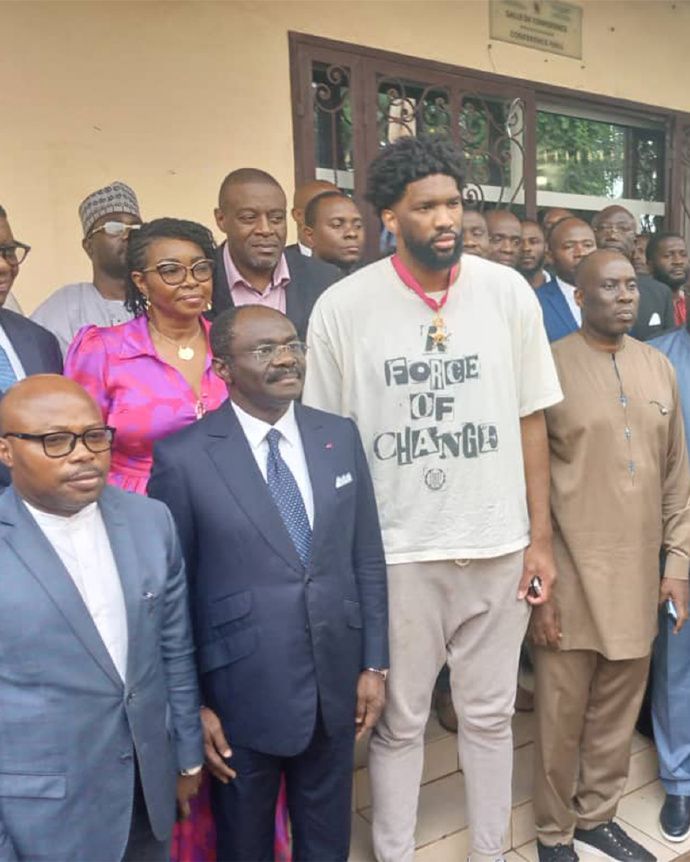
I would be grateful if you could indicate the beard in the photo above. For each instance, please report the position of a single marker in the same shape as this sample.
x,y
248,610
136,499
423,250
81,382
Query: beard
x,y
532,271
429,257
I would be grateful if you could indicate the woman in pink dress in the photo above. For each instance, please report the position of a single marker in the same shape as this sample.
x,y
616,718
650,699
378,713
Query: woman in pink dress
x,y
150,377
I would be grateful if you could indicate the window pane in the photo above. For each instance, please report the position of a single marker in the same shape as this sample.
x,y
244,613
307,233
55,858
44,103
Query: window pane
x,y
332,122
410,108
580,156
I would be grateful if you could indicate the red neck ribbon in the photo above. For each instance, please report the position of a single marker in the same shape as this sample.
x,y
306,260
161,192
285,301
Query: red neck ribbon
x,y
410,281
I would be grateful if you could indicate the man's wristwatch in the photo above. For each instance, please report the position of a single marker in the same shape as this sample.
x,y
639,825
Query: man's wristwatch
x,y
379,670
195,770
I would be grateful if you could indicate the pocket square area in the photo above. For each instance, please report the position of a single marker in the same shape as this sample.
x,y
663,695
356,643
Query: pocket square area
x,y
343,479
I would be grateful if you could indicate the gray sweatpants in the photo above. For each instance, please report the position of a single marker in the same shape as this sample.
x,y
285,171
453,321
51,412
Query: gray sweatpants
x,y
464,612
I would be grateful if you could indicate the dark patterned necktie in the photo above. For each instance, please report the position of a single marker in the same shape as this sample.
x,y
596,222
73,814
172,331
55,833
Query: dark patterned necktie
x,y
287,497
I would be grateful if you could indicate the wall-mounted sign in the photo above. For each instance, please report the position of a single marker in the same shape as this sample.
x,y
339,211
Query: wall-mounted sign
x,y
548,25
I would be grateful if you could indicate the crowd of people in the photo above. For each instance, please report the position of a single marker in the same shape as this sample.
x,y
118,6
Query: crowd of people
x,y
258,501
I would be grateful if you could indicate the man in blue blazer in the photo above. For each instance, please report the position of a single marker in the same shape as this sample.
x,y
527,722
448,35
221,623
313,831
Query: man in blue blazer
x,y
25,347
279,528
99,714
569,241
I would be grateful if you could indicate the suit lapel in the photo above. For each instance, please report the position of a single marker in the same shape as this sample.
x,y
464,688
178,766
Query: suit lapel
x,y
31,546
128,568
294,299
28,351
320,466
560,305
228,449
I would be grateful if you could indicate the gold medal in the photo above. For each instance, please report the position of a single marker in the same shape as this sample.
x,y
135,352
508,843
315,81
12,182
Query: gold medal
x,y
440,335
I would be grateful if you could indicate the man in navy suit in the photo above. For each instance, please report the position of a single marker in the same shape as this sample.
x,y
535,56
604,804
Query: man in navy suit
x,y
253,266
570,240
25,347
99,723
279,527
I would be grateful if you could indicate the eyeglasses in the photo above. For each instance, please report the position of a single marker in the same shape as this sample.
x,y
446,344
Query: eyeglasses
x,y
266,353
613,228
174,273
59,444
114,228
14,253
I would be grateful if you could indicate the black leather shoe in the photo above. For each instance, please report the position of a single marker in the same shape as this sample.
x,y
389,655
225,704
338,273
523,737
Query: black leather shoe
x,y
557,853
674,819
613,842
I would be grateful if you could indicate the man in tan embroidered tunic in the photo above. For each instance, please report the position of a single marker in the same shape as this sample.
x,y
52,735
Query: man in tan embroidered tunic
x,y
620,490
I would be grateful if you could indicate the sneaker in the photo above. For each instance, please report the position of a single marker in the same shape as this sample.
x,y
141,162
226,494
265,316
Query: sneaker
x,y
612,841
674,819
557,853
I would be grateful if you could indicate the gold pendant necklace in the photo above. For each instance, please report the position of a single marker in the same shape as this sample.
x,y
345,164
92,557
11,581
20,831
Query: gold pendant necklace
x,y
440,335
184,351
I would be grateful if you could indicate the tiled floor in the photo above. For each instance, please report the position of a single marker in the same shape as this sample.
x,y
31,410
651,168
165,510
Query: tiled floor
x,y
442,834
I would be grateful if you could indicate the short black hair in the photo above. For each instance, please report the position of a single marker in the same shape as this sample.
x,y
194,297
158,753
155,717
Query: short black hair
x,y
655,239
160,228
407,160
246,175
3,213
312,209
222,331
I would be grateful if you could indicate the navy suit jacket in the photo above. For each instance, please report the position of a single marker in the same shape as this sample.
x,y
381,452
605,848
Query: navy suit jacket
x,y
275,639
38,351
70,727
309,277
558,318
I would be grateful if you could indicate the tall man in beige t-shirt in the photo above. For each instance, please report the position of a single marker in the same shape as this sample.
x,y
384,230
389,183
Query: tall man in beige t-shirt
x,y
443,363
620,490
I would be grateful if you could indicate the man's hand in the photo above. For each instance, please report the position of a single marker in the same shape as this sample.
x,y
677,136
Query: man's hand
x,y
216,746
371,696
187,788
545,625
676,590
538,562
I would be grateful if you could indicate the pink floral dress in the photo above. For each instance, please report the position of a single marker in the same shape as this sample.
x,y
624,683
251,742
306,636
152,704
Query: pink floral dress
x,y
145,400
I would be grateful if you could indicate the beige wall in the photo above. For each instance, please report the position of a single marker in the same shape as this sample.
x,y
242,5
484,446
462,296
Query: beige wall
x,y
170,96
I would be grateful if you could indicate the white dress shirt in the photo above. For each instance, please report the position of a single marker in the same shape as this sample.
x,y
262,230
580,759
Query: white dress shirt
x,y
290,447
82,543
304,249
568,291
15,362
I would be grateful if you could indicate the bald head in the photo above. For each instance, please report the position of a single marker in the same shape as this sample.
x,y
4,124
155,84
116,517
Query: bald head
x,y
607,294
244,176
41,399
304,194
45,472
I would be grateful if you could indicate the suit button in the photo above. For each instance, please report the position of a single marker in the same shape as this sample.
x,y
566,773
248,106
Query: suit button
x,y
306,629
125,758
130,697
309,580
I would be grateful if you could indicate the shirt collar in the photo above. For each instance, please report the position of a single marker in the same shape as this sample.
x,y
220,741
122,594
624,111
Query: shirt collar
x,y
564,285
304,249
84,516
255,430
280,277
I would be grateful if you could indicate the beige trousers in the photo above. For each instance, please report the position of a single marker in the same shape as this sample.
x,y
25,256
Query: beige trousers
x,y
586,707
466,614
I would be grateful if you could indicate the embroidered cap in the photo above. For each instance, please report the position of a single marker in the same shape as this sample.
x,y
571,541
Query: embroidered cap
x,y
115,198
